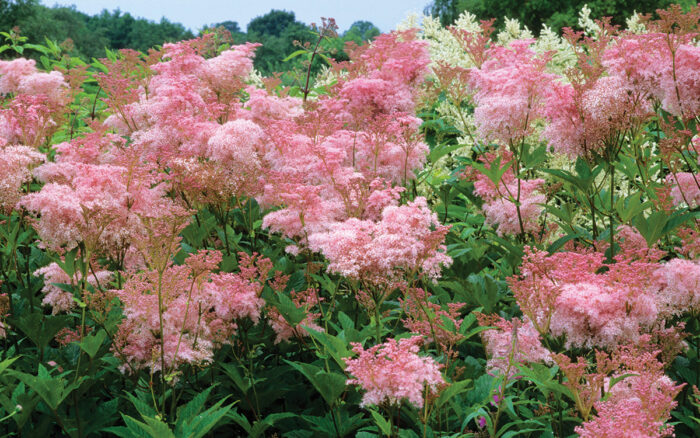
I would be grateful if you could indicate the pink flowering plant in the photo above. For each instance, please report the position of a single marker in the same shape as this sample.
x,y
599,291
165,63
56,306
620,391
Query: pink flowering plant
x,y
500,240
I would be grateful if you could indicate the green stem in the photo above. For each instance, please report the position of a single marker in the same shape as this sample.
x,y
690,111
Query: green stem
x,y
162,339
377,323
612,213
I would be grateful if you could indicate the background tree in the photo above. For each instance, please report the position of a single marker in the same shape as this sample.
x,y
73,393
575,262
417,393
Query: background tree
x,y
358,33
90,35
535,13
12,11
279,32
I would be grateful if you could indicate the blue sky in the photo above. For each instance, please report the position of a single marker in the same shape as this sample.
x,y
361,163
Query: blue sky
x,y
194,14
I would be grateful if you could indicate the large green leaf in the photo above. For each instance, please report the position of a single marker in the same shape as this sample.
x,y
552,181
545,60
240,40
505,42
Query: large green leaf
x,y
329,384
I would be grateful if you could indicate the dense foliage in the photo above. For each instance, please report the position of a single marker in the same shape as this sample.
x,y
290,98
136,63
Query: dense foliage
x,y
88,36
454,232
554,14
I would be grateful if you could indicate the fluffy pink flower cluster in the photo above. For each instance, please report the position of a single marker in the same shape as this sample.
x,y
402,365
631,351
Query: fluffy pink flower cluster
x,y
601,314
188,120
15,171
511,201
194,123
637,406
685,188
393,372
512,343
336,170
509,88
566,293
663,66
199,310
36,105
61,300
585,119
407,240
90,203
678,283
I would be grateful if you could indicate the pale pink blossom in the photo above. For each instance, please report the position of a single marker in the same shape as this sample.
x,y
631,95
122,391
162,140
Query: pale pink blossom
x,y
15,171
510,87
393,372
12,72
200,311
407,240
512,343
685,188
678,282
61,300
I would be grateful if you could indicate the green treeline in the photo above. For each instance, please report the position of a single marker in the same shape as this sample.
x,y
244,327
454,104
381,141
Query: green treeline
x,y
554,13
87,36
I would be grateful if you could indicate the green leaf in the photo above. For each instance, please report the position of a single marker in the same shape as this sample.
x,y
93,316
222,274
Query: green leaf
x,y
53,390
153,428
142,407
92,342
38,48
451,391
41,329
336,347
7,362
533,158
495,171
289,310
259,427
330,385
651,227
157,428
294,55
231,370
68,264
441,150
631,206
554,247
186,413
242,421
382,423
192,423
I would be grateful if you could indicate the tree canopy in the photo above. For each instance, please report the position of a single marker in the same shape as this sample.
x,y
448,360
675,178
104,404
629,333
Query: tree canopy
x,y
87,36
535,13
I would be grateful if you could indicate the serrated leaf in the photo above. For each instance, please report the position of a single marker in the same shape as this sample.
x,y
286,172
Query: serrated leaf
x,y
52,390
330,385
